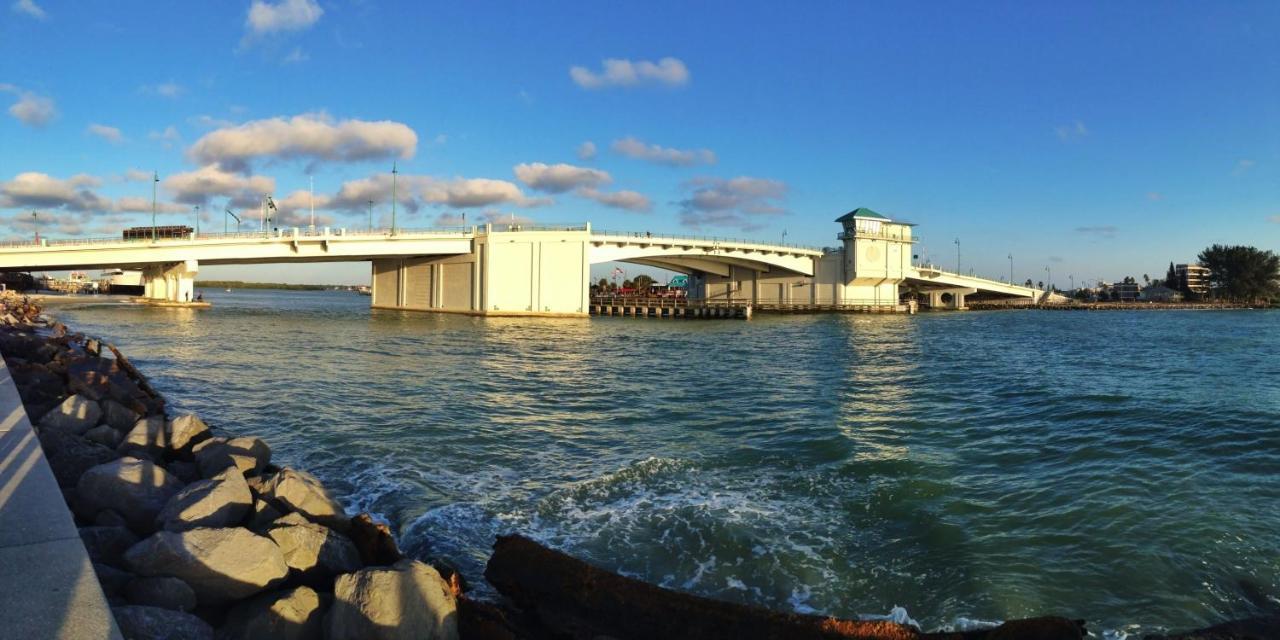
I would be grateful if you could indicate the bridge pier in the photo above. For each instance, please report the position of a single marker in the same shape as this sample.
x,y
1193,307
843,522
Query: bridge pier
x,y
950,298
170,282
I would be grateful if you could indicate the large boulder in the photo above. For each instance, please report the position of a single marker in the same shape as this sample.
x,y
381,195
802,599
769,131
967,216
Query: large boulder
x,y
220,565
406,600
374,541
263,515
77,414
154,623
221,501
146,439
77,456
105,435
91,377
248,454
136,489
161,591
297,614
185,432
113,581
120,417
107,545
301,492
315,552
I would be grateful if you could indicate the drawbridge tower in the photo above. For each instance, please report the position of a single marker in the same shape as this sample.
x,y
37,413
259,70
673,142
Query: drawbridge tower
x,y
877,256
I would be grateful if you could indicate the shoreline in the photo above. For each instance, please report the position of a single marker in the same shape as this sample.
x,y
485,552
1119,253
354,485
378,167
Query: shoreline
x,y
541,586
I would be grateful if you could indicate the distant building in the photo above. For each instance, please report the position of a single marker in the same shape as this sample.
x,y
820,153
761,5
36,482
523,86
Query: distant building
x,y
1124,291
1193,278
1160,293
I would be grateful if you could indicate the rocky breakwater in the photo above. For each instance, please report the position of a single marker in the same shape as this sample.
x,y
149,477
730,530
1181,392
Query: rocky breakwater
x,y
195,533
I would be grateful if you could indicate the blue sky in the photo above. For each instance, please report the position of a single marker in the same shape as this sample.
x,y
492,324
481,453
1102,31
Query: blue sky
x,y
1100,140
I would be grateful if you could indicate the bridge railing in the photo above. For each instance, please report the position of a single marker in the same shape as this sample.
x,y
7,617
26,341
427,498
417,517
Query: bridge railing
x,y
933,267
645,235
274,234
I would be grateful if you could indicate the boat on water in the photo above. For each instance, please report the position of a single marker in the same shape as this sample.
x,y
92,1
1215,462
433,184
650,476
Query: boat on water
x,y
364,290
121,281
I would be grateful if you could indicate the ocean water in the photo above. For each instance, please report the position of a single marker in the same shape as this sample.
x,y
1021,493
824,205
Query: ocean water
x,y
1120,467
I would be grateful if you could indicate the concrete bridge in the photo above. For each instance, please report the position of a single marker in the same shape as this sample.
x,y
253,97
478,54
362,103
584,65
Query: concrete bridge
x,y
537,270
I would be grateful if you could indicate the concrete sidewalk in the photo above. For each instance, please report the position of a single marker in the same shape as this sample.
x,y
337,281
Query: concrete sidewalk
x,y
47,585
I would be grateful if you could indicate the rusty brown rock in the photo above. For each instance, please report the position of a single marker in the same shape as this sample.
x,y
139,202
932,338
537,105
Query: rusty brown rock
x,y
578,600
374,541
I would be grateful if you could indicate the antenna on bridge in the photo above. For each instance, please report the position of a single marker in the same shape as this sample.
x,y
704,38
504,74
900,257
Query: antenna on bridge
x,y
224,220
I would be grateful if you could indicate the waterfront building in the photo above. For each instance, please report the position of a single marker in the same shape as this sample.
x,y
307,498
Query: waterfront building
x,y
1159,293
1124,291
1193,277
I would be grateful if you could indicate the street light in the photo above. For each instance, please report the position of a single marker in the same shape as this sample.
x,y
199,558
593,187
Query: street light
x,y
371,215
1073,282
197,221
1011,268
957,255
393,198
155,181
35,223
1048,285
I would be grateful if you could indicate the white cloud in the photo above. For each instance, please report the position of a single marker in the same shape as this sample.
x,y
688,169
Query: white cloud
x,y
1069,132
739,202
1275,219
629,200
587,150
416,191
295,209
1242,166
139,204
312,136
29,8
137,175
170,90
625,73
287,15
497,217
110,134
31,109
34,189
635,148
559,178
167,138
196,187
296,56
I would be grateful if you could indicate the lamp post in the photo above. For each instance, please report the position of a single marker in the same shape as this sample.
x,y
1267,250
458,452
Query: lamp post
x,y
371,215
197,221
1048,285
1072,278
393,198
154,182
957,256
1010,267
35,224
784,237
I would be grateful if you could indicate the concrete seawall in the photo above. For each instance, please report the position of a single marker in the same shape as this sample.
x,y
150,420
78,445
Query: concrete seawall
x,y
48,588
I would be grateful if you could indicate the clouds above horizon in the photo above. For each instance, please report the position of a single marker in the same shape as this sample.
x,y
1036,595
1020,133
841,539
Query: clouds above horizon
x,y
311,136
633,147
265,18
417,191
200,185
559,178
740,202
31,109
35,190
29,8
619,72
110,134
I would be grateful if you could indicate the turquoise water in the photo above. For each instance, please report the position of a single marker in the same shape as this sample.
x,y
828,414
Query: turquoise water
x,y
1122,467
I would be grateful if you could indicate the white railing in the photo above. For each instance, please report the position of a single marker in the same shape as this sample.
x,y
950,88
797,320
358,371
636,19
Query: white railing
x,y
645,235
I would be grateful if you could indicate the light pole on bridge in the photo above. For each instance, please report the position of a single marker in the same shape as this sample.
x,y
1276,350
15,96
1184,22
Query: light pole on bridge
x,y
1072,278
35,224
197,221
1048,285
393,198
1011,267
154,182
371,215
957,256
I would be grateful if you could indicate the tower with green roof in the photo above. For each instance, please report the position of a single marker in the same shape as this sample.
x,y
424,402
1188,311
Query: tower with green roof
x,y
877,256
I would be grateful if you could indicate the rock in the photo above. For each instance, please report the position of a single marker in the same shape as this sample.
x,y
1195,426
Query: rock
x,y
145,438
55,441
301,492
405,600
77,414
374,541
113,580
290,519
120,417
247,454
104,435
161,591
315,552
1043,628
297,614
93,347
76,457
185,432
154,623
185,471
109,518
91,377
107,545
1256,628
221,501
220,565
263,515
136,489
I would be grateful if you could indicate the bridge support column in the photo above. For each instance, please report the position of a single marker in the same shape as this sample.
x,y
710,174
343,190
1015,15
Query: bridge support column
x,y
949,298
170,282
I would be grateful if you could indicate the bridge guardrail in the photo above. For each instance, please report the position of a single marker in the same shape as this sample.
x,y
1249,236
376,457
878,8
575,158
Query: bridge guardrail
x,y
941,271
645,235
278,234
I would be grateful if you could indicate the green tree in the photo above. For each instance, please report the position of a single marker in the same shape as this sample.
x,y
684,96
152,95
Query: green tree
x,y
1171,278
603,284
1241,273
643,282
